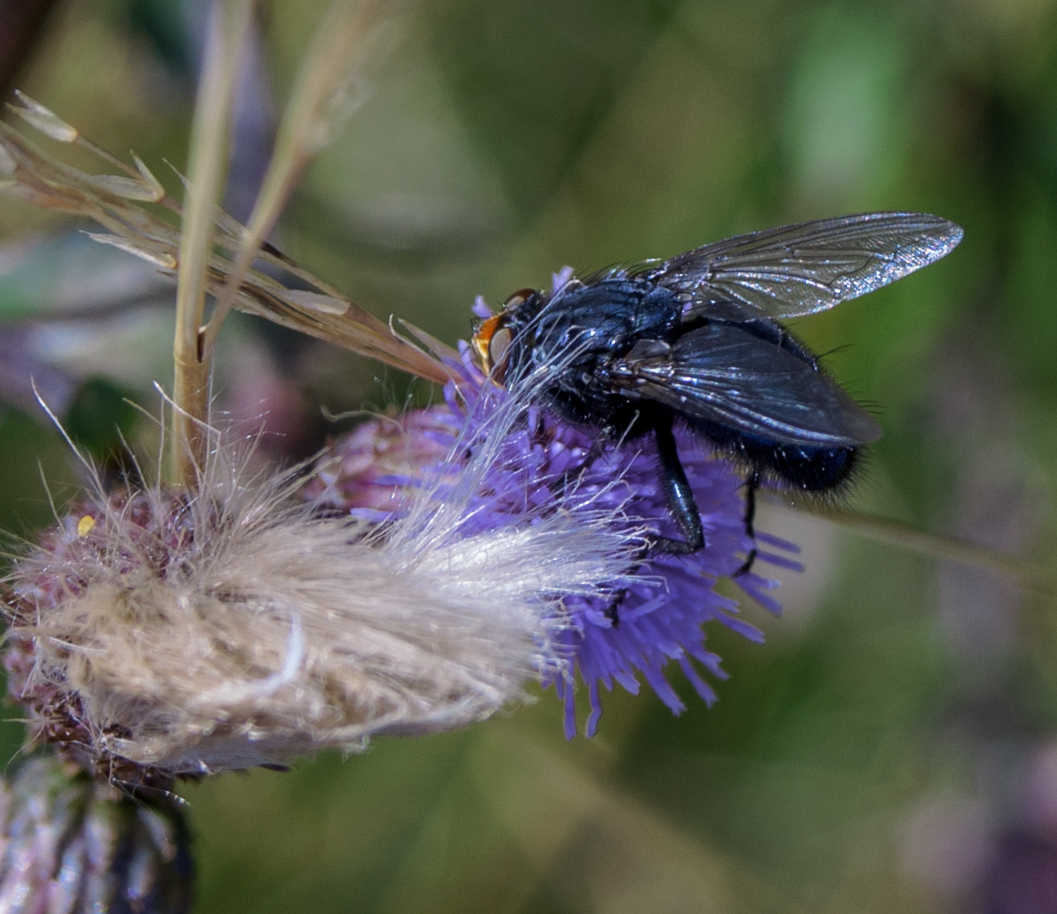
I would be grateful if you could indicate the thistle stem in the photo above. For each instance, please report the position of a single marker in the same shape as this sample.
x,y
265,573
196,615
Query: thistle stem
x,y
228,29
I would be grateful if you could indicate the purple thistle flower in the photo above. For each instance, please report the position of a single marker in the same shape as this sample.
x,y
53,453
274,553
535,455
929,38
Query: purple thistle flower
x,y
663,605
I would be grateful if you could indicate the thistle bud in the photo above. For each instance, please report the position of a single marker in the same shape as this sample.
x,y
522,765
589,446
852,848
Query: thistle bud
x,y
70,843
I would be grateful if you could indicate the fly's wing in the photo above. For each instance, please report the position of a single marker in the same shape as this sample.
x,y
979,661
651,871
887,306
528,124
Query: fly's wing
x,y
799,269
720,373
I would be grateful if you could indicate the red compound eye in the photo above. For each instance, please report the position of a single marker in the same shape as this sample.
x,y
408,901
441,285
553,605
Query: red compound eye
x,y
482,341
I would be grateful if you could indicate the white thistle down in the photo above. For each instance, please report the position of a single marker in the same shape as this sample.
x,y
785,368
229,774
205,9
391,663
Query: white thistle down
x,y
159,633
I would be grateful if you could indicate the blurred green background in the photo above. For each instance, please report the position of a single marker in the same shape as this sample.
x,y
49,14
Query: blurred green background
x,y
893,746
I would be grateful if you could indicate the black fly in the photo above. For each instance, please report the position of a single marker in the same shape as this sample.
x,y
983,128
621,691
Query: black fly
x,y
694,340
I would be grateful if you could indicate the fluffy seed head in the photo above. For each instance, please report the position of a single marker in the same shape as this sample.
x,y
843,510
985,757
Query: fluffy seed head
x,y
156,633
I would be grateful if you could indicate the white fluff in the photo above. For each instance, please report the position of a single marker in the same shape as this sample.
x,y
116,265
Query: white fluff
x,y
273,633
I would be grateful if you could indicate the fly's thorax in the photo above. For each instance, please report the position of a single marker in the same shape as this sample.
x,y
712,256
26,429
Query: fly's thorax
x,y
587,324
613,313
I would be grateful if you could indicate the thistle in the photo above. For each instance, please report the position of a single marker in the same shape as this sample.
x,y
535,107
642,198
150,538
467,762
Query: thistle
x,y
216,620
71,843
157,632
654,612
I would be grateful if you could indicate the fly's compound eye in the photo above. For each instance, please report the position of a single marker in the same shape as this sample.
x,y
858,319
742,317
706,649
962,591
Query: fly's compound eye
x,y
491,341
499,353
493,336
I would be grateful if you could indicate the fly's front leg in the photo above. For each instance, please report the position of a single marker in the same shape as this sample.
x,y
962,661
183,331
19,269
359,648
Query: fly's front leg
x,y
572,476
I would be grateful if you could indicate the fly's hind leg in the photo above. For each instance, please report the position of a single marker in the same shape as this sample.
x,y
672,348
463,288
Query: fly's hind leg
x,y
613,609
751,485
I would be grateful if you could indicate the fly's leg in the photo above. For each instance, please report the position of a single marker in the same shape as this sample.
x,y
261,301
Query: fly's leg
x,y
679,495
613,609
680,502
610,436
751,485
680,498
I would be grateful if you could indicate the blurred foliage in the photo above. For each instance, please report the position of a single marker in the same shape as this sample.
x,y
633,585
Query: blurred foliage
x,y
899,730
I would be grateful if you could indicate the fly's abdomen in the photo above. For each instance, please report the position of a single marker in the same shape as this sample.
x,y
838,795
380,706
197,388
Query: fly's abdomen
x,y
810,469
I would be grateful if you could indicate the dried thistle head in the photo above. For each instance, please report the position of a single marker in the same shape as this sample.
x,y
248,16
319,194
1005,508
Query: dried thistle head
x,y
157,632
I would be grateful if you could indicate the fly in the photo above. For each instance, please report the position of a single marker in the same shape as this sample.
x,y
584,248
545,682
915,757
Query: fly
x,y
695,341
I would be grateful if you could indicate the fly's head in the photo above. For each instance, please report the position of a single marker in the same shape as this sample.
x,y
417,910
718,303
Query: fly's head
x,y
496,338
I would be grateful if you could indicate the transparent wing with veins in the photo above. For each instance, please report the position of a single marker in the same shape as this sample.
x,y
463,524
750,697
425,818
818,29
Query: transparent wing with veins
x,y
799,269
